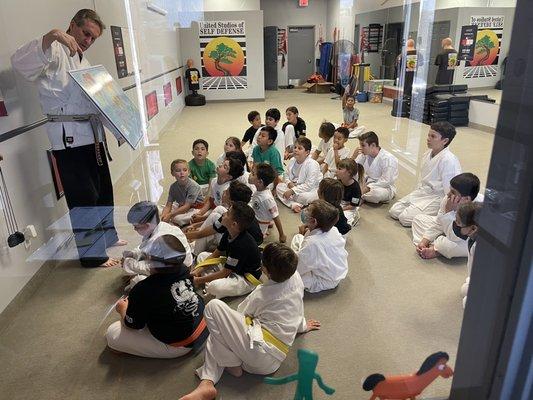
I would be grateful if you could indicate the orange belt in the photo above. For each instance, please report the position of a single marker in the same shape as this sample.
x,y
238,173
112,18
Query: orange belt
x,y
263,222
195,335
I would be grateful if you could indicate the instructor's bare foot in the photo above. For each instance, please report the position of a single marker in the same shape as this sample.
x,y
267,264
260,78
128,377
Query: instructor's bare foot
x,y
111,262
120,242
234,371
205,391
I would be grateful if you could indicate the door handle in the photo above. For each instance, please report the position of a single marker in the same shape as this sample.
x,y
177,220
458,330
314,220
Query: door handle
x,y
309,60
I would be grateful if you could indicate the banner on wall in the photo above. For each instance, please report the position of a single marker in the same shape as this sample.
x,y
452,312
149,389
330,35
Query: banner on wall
x,y
467,45
223,54
484,63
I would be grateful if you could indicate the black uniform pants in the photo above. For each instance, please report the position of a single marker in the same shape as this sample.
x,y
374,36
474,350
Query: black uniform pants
x,y
89,194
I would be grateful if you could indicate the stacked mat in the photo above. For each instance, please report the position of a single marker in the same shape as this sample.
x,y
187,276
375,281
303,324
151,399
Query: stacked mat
x,y
442,103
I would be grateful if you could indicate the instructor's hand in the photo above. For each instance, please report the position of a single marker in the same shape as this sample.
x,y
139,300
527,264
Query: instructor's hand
x,y
63,38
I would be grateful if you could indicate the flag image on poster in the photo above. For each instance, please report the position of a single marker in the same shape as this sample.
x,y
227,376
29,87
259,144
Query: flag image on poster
x,y
487,47
223,54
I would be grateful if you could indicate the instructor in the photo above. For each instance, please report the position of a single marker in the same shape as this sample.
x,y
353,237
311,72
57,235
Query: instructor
x,y
79,147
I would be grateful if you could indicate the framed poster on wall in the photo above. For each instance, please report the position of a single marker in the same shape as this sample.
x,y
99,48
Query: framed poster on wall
x,y
167,92
151,104
487,46
179,87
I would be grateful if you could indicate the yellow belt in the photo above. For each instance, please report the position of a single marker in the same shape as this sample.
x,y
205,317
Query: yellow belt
x,y
270,338
222,260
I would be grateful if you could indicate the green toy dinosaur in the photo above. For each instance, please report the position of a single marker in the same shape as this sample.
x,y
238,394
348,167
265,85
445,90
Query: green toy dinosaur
x,y
307,362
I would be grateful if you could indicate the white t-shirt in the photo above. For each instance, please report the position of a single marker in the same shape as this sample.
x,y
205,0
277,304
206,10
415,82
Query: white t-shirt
x,y
265,207
324,147
217,190
330,157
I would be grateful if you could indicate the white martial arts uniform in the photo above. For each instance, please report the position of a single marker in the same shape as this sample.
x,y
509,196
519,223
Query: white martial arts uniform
x,y
205,243
322,259
435,175
306,176
381,174
265,207
138,268
279,143
330,160
58,93
439,231
323,147
277,307
470,262
216,191
233,285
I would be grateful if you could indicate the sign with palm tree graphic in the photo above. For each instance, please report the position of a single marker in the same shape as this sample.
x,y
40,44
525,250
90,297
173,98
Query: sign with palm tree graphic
x,y
487,47
223,54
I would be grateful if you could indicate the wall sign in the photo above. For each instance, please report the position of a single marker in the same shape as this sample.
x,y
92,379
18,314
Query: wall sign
x,y
373,35
223,54
118,49
467,45
151,104
487,47
167,92
179,87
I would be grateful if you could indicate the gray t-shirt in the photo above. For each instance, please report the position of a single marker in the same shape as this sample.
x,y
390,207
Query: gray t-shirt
x,y
191,192
350,115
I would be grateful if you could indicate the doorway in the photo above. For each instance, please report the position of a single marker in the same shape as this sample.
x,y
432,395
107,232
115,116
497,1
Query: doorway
x,y
441,30
270,48
301,52
392,46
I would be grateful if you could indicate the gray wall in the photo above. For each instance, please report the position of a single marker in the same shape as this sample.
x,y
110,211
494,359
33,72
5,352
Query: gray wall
x,y
283,13
190,48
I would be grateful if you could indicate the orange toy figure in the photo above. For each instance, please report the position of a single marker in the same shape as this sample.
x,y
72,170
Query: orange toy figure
x,y
403,387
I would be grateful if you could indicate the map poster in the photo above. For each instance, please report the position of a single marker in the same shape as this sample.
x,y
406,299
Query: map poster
x,y
487,47
109,98
223,54
467,45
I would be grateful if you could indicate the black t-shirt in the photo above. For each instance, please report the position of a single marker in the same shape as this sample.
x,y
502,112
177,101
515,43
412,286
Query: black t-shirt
x,y
446,61
342,224
249,134
193,77
167,304
299,128
254,230
242,254
352,193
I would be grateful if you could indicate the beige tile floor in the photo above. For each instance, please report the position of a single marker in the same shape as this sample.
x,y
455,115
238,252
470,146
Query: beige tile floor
x,y
390,313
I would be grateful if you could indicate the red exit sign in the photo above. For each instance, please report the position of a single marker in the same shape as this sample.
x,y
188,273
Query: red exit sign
x,y
303,3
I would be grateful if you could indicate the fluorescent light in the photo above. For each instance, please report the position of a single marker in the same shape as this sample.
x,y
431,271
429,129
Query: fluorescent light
x,y
153,7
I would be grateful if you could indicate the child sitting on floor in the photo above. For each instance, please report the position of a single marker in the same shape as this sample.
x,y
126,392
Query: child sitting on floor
x,y
231,144
184,196
202,169
293,129
272,117
255,119
163,316
434,235
263,202
466,226
347,171
144,216
302,177
242,256
257,336
230,170
266,152
332,191
325,133
337,152
322,258
207,234
350,113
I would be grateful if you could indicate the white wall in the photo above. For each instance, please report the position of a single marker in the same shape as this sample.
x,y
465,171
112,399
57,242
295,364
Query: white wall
x,y
372,5
231,5
25,165
190,48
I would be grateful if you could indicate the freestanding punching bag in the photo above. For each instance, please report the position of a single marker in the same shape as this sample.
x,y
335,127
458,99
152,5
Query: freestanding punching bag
x,y
192,75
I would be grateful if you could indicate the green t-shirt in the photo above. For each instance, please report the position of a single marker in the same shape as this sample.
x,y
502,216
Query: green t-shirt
x,y
202,174
270,156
